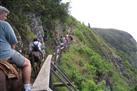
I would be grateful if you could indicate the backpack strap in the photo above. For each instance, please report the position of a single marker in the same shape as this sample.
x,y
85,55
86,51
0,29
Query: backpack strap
x,y
35,46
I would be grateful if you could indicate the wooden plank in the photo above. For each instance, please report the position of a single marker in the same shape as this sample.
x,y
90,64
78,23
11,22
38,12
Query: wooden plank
x,y
60,84
42,81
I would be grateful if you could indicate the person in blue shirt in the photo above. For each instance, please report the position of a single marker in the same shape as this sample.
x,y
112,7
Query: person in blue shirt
x,y
8,42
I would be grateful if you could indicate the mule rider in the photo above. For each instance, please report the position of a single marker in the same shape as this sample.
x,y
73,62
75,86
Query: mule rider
x,y
8,41
35,49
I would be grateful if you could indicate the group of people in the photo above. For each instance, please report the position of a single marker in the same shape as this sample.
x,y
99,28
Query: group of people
x,y
8,43
63,42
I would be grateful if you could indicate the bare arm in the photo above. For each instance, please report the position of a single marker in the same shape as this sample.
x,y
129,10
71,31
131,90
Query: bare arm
x,y
14,46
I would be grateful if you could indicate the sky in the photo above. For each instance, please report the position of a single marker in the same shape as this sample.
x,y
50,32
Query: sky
x,y
117,14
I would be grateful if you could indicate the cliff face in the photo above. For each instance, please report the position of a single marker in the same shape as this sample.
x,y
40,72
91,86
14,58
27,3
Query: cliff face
x,y
121,41
35,18
37,28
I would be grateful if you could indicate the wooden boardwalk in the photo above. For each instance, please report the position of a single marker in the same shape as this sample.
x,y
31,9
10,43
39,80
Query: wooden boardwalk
x,y
42,81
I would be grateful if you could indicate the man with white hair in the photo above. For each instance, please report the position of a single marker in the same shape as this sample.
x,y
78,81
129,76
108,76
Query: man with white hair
x,y
8,42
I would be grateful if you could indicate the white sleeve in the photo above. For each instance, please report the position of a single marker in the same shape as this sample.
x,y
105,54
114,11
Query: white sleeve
x,y
39,45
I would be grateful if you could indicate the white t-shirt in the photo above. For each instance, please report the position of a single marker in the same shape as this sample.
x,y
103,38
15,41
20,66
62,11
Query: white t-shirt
x,y
36,43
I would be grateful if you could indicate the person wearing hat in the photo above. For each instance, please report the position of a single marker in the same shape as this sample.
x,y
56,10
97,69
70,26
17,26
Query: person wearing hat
x,y
8,42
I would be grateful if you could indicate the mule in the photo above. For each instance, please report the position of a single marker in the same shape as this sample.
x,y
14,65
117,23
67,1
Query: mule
x,y
10,80
36,61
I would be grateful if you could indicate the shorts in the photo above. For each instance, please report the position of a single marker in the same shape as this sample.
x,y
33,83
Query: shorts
x,y
17,58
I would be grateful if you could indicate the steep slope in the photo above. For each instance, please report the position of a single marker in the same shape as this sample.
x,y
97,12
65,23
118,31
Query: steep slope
x,y
95,65
121,41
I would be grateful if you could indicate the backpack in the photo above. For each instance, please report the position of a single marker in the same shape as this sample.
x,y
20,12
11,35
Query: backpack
x,y
35,47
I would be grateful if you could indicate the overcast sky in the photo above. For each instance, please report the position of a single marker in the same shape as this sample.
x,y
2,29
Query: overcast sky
x,y
117,14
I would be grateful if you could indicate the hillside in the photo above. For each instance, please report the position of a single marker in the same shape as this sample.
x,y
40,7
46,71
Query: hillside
x,y
91,61
96,60
121,41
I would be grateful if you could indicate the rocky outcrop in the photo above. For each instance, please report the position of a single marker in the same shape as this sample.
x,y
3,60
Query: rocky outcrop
x,y
36,27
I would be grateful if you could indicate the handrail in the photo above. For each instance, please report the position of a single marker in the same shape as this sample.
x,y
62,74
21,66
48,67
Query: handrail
x,y
42,80
64,76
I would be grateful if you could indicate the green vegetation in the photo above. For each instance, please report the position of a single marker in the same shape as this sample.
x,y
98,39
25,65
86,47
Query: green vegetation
x,y
49,10
88,68
121,41
91,59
